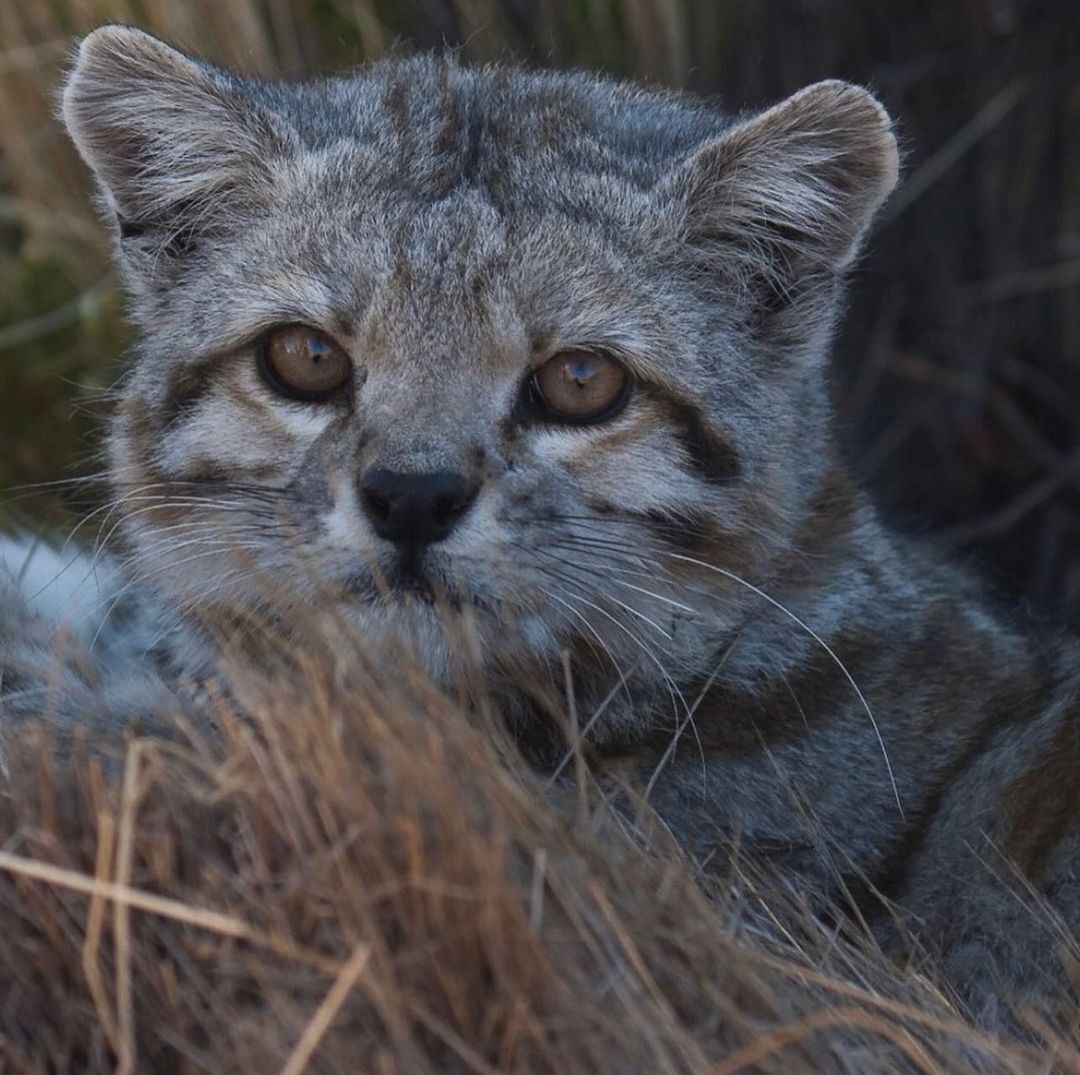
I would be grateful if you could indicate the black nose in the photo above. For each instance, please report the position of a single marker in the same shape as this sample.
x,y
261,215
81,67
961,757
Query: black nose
x,y
415,508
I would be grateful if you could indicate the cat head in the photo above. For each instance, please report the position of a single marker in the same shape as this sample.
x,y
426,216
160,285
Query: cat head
x,y
436,347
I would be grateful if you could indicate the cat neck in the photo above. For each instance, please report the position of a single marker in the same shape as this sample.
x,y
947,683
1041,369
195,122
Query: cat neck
x,y
873,671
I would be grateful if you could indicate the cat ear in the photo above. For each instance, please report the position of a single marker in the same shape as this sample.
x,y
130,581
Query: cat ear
x,y
172,141
791,192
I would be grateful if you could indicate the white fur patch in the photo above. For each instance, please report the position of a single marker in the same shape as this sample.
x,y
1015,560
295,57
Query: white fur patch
x,y
64,587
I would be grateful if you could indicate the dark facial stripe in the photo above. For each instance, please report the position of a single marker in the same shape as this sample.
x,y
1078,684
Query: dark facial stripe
x,y
692,532
185,387
689,531
711,456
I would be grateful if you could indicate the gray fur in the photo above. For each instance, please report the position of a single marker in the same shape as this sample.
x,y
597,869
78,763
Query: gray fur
x,y
79,646
868,719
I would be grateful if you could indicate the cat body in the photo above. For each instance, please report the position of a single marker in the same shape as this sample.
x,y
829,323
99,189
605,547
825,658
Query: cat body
x,y
508,367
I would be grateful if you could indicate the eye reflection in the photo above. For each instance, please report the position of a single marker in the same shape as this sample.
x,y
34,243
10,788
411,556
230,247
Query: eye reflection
x,y
581,386
302,363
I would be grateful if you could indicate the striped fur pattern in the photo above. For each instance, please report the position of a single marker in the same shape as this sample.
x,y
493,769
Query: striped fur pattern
x,y
747,643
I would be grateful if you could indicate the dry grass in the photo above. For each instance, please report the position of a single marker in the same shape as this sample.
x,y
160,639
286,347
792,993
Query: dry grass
x,y
362,878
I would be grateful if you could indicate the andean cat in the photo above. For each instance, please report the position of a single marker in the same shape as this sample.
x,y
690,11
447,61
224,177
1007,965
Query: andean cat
x,y
539,360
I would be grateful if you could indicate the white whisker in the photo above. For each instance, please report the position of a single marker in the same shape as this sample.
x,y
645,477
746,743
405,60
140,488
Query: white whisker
x,y
824,645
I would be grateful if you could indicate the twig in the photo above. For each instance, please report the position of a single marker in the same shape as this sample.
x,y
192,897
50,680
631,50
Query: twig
x,y
1017,509
125,1007
92,943
327,1010
1028,282
21,57
163,907
68,314
48,219
828,1019
952,1026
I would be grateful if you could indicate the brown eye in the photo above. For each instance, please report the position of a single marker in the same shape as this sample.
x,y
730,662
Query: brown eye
x,y
301,363
581,386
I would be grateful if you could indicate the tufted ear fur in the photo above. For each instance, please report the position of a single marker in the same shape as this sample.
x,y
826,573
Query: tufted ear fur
x,y
788,195
172,141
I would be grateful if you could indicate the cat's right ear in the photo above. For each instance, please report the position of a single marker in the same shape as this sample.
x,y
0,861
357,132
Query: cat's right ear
x,y
785,198
172,141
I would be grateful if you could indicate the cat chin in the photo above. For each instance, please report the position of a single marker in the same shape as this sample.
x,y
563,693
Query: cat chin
x,y
438,638
448,641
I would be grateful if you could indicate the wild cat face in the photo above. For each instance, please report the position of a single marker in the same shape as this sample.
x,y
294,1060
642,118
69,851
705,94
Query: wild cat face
x,y
529,354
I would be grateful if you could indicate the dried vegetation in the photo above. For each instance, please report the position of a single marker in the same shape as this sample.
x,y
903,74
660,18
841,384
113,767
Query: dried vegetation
x,y
362,878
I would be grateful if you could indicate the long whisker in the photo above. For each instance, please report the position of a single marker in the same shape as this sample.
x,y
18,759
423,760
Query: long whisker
x,y
629,552
659,597
100,545
598,712
821,642
142,578
622,604
673,687
669,752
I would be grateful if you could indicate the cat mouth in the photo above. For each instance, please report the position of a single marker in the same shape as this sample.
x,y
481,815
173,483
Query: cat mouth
x,y
407,577
410,577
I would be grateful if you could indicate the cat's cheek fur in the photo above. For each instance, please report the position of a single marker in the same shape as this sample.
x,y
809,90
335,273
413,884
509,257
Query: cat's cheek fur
x,y
237,426
637,469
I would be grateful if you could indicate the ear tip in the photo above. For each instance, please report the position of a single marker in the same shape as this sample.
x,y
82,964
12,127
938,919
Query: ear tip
x,y
106,57
117,46
112,40
114,66
862,110
836,94
100,46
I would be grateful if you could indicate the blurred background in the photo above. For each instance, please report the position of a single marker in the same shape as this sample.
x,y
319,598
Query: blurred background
x,y
957,371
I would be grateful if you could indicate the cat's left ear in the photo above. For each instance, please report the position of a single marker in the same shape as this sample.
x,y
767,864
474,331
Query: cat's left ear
x,y
175,143
789,193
